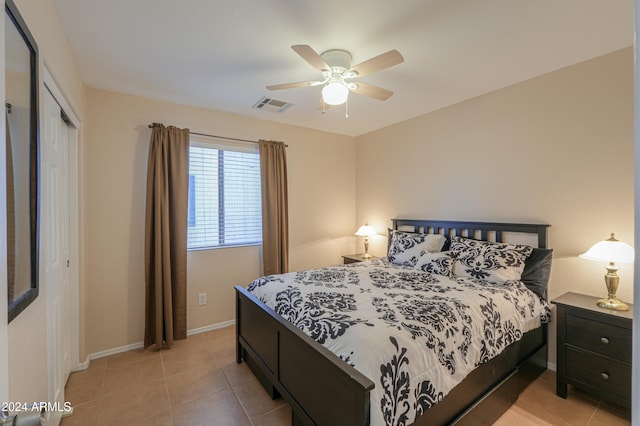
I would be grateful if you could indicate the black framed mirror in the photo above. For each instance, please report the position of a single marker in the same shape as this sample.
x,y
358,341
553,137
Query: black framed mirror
x,y
22,161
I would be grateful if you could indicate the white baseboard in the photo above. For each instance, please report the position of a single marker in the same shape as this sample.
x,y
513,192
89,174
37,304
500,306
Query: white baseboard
x,y
210,327
96,355
117,350
83,365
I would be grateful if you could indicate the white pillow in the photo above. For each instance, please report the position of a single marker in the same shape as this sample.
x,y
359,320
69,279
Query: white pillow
x,y
406,247
489,261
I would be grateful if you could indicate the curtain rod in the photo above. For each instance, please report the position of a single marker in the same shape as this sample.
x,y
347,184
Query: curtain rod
x,y
152,125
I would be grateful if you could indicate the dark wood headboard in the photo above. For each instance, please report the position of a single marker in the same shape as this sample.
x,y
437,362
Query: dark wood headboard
x,y
487,231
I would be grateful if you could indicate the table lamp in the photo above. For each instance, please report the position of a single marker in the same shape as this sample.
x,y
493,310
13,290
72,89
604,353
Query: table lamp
x,y
366,231
611,251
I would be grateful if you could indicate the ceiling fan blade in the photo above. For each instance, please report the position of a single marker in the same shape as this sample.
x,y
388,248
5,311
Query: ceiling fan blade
x,y
372,91
311,56
322,106
378,63
294,85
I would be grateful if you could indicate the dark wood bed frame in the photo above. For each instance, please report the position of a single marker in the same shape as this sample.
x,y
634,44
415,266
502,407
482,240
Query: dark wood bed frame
x,y
323,390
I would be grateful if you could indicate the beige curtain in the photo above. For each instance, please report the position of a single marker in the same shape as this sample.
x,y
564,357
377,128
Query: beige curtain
x,y
166,236
11,222
275,211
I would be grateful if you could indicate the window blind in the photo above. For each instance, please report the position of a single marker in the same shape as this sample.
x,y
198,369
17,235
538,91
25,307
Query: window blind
x,y
224,195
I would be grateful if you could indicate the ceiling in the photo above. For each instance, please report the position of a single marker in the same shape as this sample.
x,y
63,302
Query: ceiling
x,y
221,54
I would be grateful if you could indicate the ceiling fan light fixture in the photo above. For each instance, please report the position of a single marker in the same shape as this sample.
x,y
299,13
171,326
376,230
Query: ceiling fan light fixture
x,y
335,93
335,67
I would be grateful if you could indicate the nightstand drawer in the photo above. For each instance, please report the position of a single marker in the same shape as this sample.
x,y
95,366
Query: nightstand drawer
x,y
601,373
604,339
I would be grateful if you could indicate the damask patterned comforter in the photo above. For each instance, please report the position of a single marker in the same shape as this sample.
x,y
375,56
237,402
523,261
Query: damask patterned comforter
x,y
415,334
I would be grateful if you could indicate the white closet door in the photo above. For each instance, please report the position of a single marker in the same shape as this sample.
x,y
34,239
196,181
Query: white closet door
x,y
54,247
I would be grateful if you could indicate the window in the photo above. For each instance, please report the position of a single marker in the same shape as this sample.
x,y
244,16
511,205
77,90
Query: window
x,y
224,195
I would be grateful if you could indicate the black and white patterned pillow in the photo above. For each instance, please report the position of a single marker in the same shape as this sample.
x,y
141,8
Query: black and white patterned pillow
x,y
406,247
489,261
436,263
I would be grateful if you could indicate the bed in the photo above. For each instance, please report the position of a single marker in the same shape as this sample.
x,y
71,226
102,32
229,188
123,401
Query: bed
x,y
315,368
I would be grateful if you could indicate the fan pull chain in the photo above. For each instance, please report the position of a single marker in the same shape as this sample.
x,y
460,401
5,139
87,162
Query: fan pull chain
x,y
346,108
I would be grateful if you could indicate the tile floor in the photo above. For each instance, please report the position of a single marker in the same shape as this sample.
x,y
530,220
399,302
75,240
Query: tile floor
x,y
197,382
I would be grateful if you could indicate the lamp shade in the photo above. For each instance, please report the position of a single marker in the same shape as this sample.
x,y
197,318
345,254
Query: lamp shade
x,y
365,231
611,250
335,93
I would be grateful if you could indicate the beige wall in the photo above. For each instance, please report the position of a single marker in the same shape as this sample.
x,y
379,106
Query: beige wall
x,y
321,203
556,149
27,336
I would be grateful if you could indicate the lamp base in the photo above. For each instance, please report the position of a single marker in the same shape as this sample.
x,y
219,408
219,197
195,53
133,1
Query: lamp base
x,y
368,256
613,303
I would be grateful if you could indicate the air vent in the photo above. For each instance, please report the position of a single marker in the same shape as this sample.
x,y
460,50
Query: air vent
x,y
272,105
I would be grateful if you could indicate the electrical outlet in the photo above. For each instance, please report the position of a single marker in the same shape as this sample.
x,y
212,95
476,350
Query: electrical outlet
x,y
202,299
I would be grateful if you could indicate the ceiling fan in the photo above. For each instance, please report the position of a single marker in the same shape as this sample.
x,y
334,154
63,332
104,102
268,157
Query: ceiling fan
x,y
336,69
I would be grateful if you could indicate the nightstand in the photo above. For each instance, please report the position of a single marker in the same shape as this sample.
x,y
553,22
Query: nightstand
x,y
354,258
594,348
